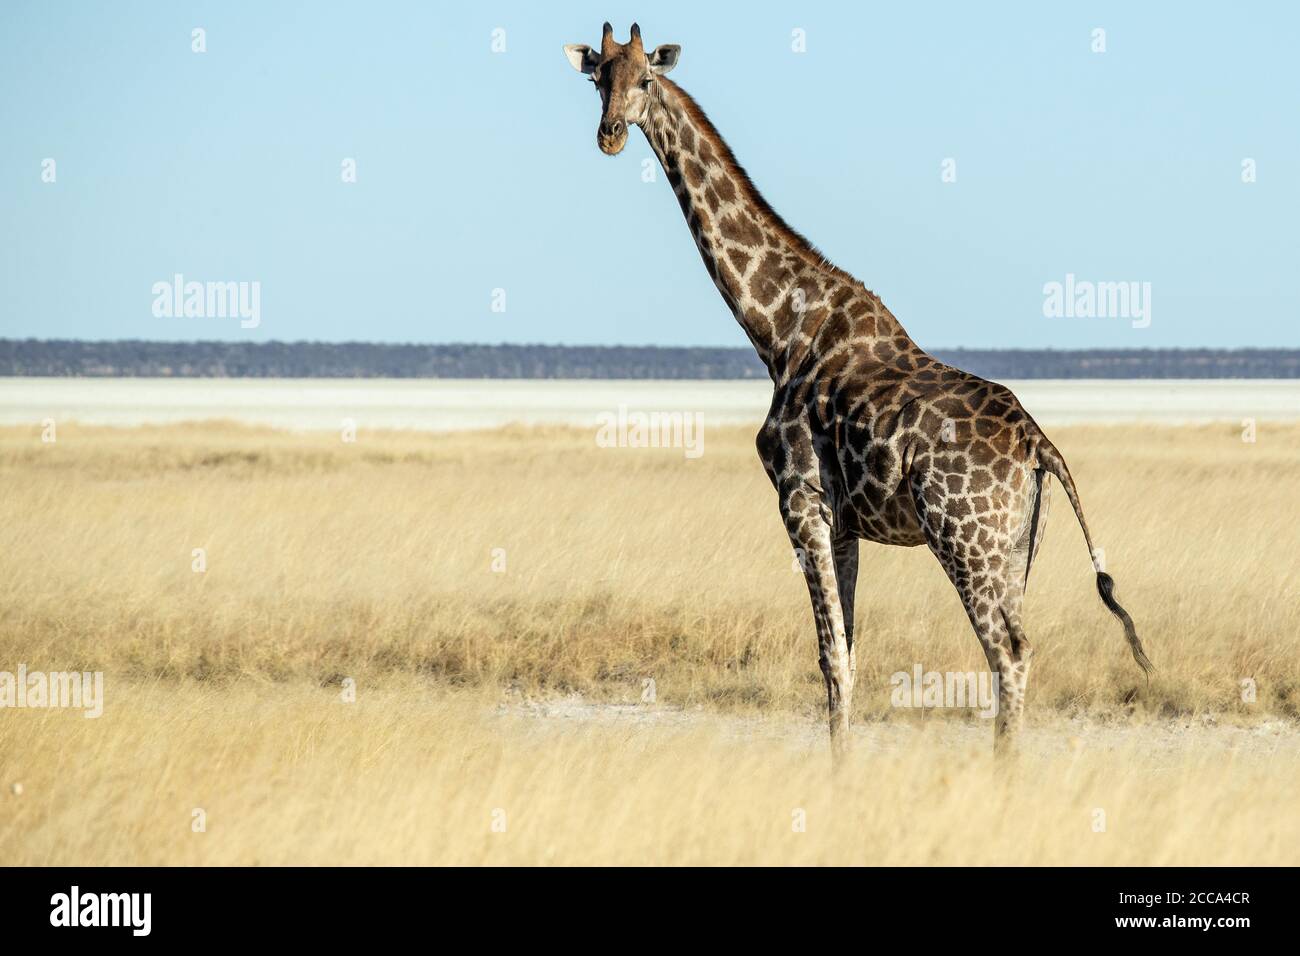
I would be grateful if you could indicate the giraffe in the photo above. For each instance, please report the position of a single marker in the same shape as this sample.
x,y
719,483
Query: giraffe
x,y
868,437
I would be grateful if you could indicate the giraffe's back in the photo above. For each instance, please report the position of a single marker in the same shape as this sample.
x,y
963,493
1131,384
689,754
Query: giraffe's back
x,y
882,413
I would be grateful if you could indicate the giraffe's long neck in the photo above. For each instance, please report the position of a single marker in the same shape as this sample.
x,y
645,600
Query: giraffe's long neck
x,y
780,289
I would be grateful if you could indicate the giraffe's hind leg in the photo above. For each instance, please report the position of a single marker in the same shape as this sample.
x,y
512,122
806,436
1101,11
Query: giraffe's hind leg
x,y
994,614
1030,540
987,558
1019,562
1014,675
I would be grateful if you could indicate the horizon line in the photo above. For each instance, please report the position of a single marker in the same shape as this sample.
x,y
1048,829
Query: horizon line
x,y
568,345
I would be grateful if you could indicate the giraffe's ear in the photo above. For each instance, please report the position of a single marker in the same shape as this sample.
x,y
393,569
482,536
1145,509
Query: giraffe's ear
x,y
583,57
664,58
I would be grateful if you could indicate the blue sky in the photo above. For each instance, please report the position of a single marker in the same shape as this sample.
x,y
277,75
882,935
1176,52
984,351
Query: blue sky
x,y
478,170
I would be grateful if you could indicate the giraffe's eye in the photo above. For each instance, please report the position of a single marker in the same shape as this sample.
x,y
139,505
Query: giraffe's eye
x,y
645,83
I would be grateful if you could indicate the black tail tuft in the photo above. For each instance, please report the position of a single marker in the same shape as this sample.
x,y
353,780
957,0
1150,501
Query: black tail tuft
x,y
1106,588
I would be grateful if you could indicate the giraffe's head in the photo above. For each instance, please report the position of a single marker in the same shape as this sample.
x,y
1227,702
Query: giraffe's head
x,y
624,76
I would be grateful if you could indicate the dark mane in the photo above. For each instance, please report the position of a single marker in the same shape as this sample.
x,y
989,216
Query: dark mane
x,y
807,249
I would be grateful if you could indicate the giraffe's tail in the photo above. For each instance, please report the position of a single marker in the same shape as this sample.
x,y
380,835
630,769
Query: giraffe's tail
x,y
1051,461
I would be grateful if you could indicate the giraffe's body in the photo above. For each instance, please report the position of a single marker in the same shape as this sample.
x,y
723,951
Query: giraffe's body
x,y
868,436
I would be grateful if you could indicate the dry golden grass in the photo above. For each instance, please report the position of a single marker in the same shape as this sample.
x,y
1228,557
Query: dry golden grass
x,y
289,774
373,561
327,559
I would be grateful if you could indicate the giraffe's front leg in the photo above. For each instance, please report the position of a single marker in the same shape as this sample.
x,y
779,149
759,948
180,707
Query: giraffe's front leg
x,y
845,547
808,524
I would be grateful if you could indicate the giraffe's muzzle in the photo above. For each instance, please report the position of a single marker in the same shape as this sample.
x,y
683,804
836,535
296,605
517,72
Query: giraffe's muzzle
x,y
611,137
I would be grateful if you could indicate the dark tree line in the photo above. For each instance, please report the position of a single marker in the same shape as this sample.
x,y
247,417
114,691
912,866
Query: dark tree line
x,y
58,358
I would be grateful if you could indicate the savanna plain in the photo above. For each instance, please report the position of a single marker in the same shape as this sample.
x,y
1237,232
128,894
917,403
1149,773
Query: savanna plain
x,y
512,646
